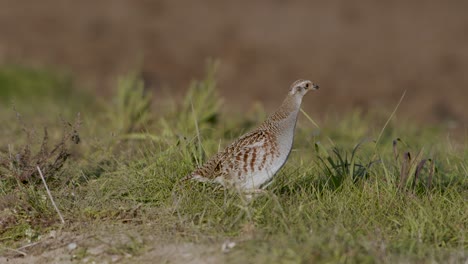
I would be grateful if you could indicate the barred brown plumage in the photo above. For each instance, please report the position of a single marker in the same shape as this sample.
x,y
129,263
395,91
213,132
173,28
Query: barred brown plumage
x,y
252,160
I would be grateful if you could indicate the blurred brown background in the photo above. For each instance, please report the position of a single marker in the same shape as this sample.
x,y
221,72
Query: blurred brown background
x,y
364,54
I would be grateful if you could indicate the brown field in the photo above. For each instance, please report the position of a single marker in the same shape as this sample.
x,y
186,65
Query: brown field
x,y
363,54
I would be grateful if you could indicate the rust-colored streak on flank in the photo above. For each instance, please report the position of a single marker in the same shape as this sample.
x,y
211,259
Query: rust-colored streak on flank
x,y
246,163
254,158
274,147
262,165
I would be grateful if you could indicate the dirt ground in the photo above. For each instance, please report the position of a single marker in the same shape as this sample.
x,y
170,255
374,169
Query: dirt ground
x,y
112,245
364,54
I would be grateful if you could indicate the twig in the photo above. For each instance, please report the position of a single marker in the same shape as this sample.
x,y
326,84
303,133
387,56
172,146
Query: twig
x,y
315,124
309,118
50,195
17,251
28,245
390,118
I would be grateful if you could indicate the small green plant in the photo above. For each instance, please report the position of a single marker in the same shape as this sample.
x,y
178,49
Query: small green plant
x,y
410,176
198,113
341,165
199,108
131,111
202,100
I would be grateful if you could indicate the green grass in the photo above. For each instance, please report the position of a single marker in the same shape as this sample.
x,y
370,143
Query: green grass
x,y
339,198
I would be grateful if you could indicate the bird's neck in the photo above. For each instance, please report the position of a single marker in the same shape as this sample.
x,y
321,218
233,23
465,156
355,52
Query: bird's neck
x,y
286,115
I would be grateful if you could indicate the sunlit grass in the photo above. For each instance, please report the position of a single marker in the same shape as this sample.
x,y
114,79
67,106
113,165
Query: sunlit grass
x,y
336,200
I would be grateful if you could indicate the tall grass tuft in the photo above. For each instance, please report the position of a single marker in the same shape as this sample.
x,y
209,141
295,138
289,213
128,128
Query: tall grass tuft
x,y
131,111
341,165
411,167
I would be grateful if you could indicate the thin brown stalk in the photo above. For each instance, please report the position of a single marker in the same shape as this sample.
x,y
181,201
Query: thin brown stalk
x,y
50,195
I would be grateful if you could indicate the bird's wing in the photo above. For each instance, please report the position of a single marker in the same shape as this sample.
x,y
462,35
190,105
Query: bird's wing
x,y
210,170
247,153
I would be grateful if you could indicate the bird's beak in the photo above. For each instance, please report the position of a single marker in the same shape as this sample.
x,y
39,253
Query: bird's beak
x,y
315,86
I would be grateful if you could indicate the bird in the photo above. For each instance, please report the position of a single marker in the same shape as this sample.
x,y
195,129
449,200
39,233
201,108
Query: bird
x,y
250,162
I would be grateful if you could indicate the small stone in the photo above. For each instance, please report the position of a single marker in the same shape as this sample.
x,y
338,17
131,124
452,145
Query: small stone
x,y
115,258
227,246
53,234
72,246
96,250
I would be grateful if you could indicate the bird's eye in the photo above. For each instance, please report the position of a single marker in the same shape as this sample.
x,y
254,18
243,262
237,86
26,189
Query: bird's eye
x,y
307,85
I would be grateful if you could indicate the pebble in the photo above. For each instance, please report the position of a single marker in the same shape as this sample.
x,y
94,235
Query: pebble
x,y
72,246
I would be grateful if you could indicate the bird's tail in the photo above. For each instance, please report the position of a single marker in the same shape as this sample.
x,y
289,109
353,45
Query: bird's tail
x,y
194,176
188,177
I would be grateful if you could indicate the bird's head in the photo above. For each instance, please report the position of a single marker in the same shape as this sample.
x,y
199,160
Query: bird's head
x,y
301,87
